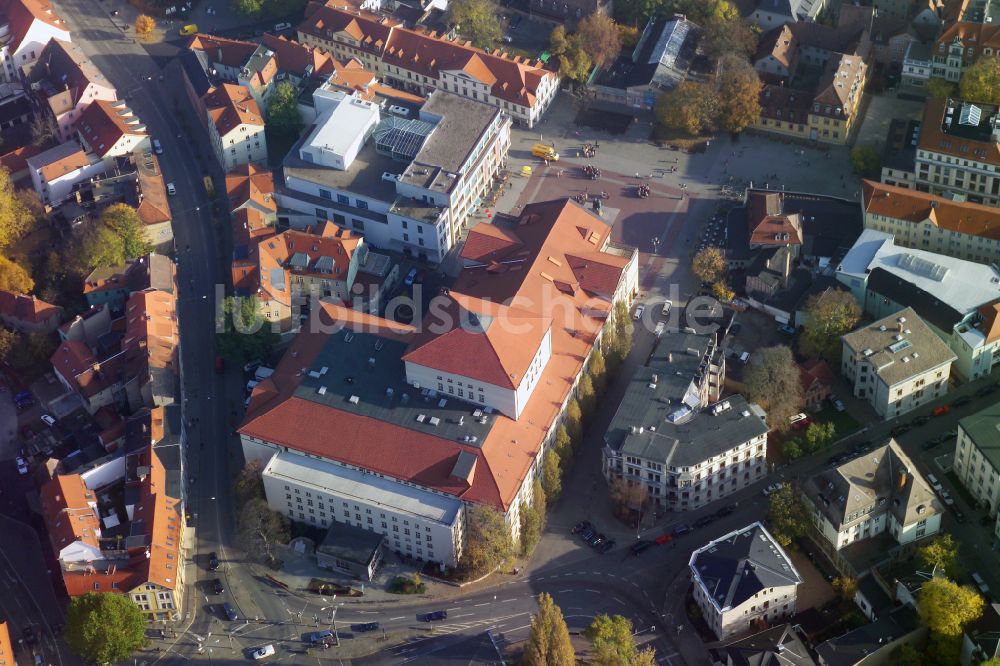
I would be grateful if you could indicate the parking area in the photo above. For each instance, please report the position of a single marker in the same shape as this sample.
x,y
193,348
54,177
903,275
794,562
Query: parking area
x,y
881,111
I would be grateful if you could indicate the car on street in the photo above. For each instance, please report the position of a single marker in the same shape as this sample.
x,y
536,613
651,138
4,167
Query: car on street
x,y
278,27
22,467
597,540
263,652
774,487
606,546
229,612
921,420
940,410
901,429
964,400
213,561
681,529
189,29
725,511
435,616
157,147
411,275
587,533
786,329
980,583
836,459
581,526
217,587
640,546
704,521
638,312
986,390
171,190
959,516
364,626
48,420
838,404
799,421
317,637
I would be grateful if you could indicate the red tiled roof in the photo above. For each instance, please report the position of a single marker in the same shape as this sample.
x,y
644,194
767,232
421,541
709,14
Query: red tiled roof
x,y
990,312
900,203
488,242
331,242
17,159
934,139
228,52
69,517
68,164
976,37
769,223
154,208
151,327
247,184
230,106
103,124
813,371
26,308
20,14
294,57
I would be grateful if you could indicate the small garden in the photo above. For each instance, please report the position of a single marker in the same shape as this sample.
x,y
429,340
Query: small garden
x,y
407,585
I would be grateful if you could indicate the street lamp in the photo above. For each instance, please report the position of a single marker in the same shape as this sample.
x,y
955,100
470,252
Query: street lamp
x,y
333,619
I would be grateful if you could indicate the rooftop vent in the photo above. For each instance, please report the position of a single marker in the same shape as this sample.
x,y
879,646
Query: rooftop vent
x,y
354,400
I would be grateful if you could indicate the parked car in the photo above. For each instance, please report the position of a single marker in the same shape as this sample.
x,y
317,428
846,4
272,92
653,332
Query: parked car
x,y
770,489
964,400
704,521
597,540
278,27
213,561
901,429
411,275
171,190
435,616
986,390
364,626
157,147
189,29
229,612
217,586
681,529
588,534
838,404
317,637
980,583
959,516
48,420
263,652
799,421
725,511
638,312
640,546
22,467
581,526
921,420
941,410
606,546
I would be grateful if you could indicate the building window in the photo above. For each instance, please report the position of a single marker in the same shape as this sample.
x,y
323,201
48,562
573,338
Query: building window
x,y
344,199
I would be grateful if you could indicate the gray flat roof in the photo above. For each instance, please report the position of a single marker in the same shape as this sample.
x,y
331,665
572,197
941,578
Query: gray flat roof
x,y
347,542
921,348
336,479
461,122
983,428
370,368
701,436
364,176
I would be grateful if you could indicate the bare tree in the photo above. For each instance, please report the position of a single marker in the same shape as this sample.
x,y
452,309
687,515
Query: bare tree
x,y
259,529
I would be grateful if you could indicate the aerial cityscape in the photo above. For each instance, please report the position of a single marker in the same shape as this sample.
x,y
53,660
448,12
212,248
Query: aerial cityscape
x,y
500,332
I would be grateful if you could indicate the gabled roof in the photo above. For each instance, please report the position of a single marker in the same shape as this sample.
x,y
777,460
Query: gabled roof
x,y
297,58
975,36
70,512
228,52
103,124
60,160
151,327
248,183
769,224
489,242
19,15
779,43
815,372
230,106
325,255
154,208
777,646
737,566
17,159
838,81
66,72
491,342
900,203
26,308
990,313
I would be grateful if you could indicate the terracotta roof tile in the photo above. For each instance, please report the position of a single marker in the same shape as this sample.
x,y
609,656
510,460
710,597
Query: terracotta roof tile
x,y
332,244
67,164
934,139
151,327
17,159
103,124
26,308
294,57
229,52
769,224
230,106
21,14
69,515
900,203
249,183
990,312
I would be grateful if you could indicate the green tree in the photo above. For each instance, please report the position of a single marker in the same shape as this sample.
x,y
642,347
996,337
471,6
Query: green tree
x,y
100,248
574,420
906,655
792,449
16,217
489,545
558,40
617,336
819,435
786,516
943,650
981,81
709,265
104,627
251,8
242,333
563,446
551,475
613,641
636,12
947,607
259,529
690,107
476,20
14,277
866,161
995,661
829,315
600,38
586,395
772,381
574,62
283,117
31,350
739,89
532,519
124,222
598,371
938,87
845,587
548,643
941,552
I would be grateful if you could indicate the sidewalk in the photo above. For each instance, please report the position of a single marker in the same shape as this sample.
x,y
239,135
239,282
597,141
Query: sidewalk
x,y
678,627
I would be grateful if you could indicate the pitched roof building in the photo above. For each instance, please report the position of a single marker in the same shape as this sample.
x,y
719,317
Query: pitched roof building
x,y
28,314
110,129
28,25
458,431
777,646
235,126
67,81
977,456
420,62
743,580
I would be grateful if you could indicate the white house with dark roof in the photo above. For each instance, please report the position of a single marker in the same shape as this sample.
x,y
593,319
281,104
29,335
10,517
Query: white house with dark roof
x,y
876,492
743,581
977,456
26,26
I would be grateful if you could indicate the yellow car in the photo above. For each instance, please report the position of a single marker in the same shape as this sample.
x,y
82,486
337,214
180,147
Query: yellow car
x,y
189,29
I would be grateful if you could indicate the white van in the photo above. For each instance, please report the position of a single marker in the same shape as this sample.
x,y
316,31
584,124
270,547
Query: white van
x,y
666,309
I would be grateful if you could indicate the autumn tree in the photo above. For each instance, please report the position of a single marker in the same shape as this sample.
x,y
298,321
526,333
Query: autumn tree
x,y
939,87
249,483
845,587
586,395
475,19
548,643
13,277
532,519
627,496
690,107
563,445
574,420
600,38
31,350
829,315
488,545
981,81
722,291
8,340
941,552
709,264
598,371
251,8
259,529
551,475
866,161
739,89
614,642
787,518
103,628
574,61
124,222
283,118
144,25
947,607
16,218
772,381
724,37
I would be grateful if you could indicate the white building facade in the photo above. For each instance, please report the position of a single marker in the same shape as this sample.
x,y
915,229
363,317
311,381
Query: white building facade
x,y
977,462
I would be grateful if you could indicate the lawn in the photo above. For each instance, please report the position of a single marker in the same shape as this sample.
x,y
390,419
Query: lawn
x,y
843,422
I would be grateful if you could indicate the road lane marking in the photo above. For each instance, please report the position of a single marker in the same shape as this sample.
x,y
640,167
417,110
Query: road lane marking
x,y
618,600
455,608
564,591
401,617
484,604
506,600
465,615
594,591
